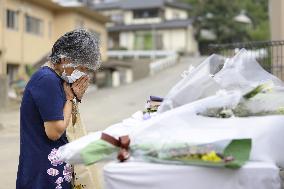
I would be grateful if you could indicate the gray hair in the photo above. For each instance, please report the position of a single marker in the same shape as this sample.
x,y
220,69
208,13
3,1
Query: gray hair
x,y
80,47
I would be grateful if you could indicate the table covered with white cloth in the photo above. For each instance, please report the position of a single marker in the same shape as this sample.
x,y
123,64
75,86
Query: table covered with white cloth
x,y
142,175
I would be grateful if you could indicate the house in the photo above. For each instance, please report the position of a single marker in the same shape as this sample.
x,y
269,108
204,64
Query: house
x,y
28,29
149,25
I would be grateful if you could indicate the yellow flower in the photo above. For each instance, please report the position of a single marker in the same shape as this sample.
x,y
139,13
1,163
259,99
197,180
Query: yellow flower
x,y
211,156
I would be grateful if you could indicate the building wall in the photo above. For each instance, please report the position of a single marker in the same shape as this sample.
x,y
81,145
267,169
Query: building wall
x,y
276,13
169,14
192,44
114,13
129,19
23,48
173,13
173,40
2,63
126,39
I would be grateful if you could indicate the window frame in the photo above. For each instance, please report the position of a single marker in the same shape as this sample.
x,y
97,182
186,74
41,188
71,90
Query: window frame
x,y
14,17
140,13
34,25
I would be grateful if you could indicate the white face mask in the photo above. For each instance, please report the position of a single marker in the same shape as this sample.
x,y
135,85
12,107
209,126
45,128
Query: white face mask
x,y
76,74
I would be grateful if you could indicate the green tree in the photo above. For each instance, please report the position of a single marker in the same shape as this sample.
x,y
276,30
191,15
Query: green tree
x,y
218,16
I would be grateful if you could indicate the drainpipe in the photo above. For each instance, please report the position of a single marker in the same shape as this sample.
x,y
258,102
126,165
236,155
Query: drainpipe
x,y
3,76
2,56
22,12
153,42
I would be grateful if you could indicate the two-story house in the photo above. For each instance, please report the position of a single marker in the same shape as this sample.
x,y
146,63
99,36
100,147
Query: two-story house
x,y
28,29
149,25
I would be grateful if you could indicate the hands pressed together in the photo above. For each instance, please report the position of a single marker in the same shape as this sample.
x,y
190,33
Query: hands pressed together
x,y
78,88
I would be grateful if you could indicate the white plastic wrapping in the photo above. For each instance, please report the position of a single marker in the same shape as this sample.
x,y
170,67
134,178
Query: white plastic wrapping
x,y
183,125
197,83
71,152
242,73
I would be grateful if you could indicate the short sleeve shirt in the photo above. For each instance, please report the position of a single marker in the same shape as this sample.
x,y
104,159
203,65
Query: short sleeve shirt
x,y
39,167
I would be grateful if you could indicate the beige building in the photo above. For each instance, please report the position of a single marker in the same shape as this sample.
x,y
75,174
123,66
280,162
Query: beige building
x,y
276,14
149,25
30,27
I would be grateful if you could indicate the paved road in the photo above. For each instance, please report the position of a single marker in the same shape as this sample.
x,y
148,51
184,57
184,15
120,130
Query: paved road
x,y
105,107
99,109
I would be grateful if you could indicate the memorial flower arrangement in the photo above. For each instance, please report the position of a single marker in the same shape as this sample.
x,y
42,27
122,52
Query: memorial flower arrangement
x,y
265,99
151,107
228,153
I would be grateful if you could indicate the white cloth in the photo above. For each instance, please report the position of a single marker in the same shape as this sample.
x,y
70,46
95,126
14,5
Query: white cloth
x,y
138,175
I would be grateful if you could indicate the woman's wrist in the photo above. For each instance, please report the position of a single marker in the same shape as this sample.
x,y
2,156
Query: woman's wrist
x,y
69,99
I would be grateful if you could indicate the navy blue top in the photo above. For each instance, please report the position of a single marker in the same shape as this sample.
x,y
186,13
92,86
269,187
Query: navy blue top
x,y
39,168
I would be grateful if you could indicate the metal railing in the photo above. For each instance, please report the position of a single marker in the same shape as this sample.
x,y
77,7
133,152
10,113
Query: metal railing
x,y
136,54
269,54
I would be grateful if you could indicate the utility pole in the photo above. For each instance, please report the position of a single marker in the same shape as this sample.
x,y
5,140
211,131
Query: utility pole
x,y
3,75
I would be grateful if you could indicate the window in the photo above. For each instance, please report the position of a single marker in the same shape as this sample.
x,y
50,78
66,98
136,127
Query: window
x,y
118,18
148,41
12,71
12,19
146,13
34,25
143,41
176,15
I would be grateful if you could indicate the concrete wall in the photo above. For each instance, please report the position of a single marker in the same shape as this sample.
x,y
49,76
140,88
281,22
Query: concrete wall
x,y
276,13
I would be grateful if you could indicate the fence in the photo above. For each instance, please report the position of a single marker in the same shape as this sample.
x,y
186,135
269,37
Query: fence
x,y
268,53
120,54
161,64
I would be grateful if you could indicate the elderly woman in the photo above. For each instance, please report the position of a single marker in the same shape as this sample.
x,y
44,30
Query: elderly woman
x,y
46,110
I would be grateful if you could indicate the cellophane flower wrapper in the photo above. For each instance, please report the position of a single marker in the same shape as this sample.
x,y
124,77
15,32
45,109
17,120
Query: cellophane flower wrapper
x,y
240,73
226,153
265,99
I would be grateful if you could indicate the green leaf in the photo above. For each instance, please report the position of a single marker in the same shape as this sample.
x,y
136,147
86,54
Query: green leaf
x,y
97,151
240,150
